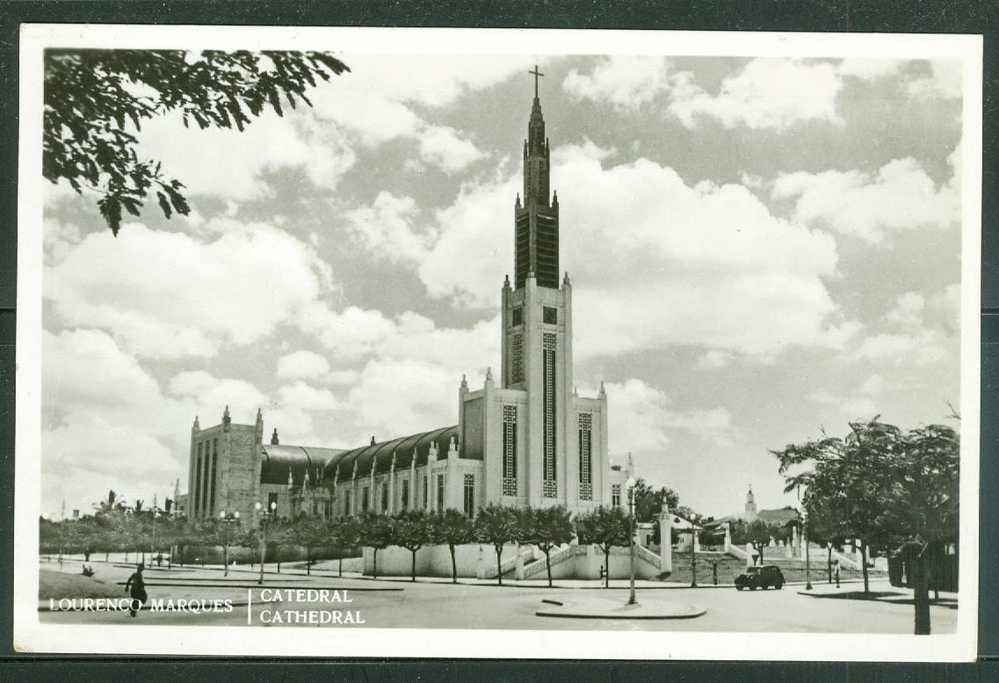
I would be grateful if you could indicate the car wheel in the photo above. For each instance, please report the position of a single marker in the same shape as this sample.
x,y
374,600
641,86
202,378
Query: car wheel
x,y
779,585
738,587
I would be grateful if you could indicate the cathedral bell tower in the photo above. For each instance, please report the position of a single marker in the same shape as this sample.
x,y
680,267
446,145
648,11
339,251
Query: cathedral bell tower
x,y
537,325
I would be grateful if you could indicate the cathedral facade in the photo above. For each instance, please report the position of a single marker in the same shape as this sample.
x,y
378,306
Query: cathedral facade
x,y
524,438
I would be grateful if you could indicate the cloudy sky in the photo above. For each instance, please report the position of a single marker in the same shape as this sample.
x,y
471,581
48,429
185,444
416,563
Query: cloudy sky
x,y
760,249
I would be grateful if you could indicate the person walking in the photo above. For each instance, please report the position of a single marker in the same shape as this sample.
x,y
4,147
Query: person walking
x,y
136,588
836,572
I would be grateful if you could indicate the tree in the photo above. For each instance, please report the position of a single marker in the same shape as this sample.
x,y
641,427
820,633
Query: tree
x,y
922,481
496,525
548,528
279,533
377,532
604,528
453,528
96,100
886,487
412,532
344,532
649,502
309,531
758,534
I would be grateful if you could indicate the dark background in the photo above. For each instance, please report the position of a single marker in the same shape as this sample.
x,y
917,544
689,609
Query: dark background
x,y
867,16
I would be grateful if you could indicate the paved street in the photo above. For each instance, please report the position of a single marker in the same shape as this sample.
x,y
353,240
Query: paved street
x,y
431,603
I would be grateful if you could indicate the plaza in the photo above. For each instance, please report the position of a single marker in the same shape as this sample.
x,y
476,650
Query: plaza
x,y
470,604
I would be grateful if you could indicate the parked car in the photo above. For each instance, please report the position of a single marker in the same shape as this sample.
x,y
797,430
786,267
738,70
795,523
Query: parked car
x,y
760,577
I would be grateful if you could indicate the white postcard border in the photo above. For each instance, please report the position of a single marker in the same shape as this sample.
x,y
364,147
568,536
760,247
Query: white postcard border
x,y
32,636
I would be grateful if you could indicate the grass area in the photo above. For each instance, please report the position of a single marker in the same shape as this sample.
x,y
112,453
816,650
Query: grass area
x,y
57,585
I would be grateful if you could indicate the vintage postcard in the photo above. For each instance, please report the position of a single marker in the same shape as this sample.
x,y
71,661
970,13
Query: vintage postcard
x,y
498,343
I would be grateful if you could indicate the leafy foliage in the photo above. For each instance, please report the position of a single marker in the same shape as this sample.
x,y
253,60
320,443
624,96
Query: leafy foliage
x,y
604,528
758,533
547,528
412,531
452,528
498,525
96,100
888,487
649,502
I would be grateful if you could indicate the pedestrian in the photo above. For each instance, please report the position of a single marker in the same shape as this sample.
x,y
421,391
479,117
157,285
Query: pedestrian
x,y
836,572
159,560
136,588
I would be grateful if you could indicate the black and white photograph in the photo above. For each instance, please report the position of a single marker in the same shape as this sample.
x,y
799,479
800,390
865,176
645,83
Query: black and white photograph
x,y
498,343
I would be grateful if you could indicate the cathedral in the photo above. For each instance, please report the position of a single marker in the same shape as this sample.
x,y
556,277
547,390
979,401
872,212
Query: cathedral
x,y
525,437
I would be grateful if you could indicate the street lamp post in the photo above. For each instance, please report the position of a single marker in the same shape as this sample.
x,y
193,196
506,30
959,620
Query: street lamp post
x,y
227,519
264,516
804,541
808,555
631,538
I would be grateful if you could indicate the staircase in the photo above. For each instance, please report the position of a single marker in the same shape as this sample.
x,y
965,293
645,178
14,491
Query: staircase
x,y
729,567
538,569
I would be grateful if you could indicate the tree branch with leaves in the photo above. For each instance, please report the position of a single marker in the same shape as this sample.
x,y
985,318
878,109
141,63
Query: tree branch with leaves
x,y
95,103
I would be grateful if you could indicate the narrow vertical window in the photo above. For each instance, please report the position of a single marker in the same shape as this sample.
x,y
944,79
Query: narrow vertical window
x,y
346,503
385,496
364,499
212,481
585,457
469,500
197,484
549,482
204,481
272,502
615,495
509,450
517,359
426,490
440,491
405,494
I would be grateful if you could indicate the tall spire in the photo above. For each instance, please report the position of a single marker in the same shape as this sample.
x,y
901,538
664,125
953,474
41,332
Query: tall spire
x,y
536,232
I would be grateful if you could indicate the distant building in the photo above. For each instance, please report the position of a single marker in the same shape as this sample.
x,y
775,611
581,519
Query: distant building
x,y
750,513
779,516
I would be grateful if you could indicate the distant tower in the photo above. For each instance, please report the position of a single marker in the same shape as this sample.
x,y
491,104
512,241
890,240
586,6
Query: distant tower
x,y
274,438
750,505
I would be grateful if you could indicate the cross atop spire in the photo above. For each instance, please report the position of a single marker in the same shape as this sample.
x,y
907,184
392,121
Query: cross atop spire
x,y
536,74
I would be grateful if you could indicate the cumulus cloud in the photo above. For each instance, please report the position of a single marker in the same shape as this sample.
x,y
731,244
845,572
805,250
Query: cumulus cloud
x,y
398,397
869,69
900,196
302,365
643,418
917,330
853,407
170,295
626,82
944,81
369,106
387,229
765,93
875,384
230,163
708,257
445,148
713,359
355,334
108,423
